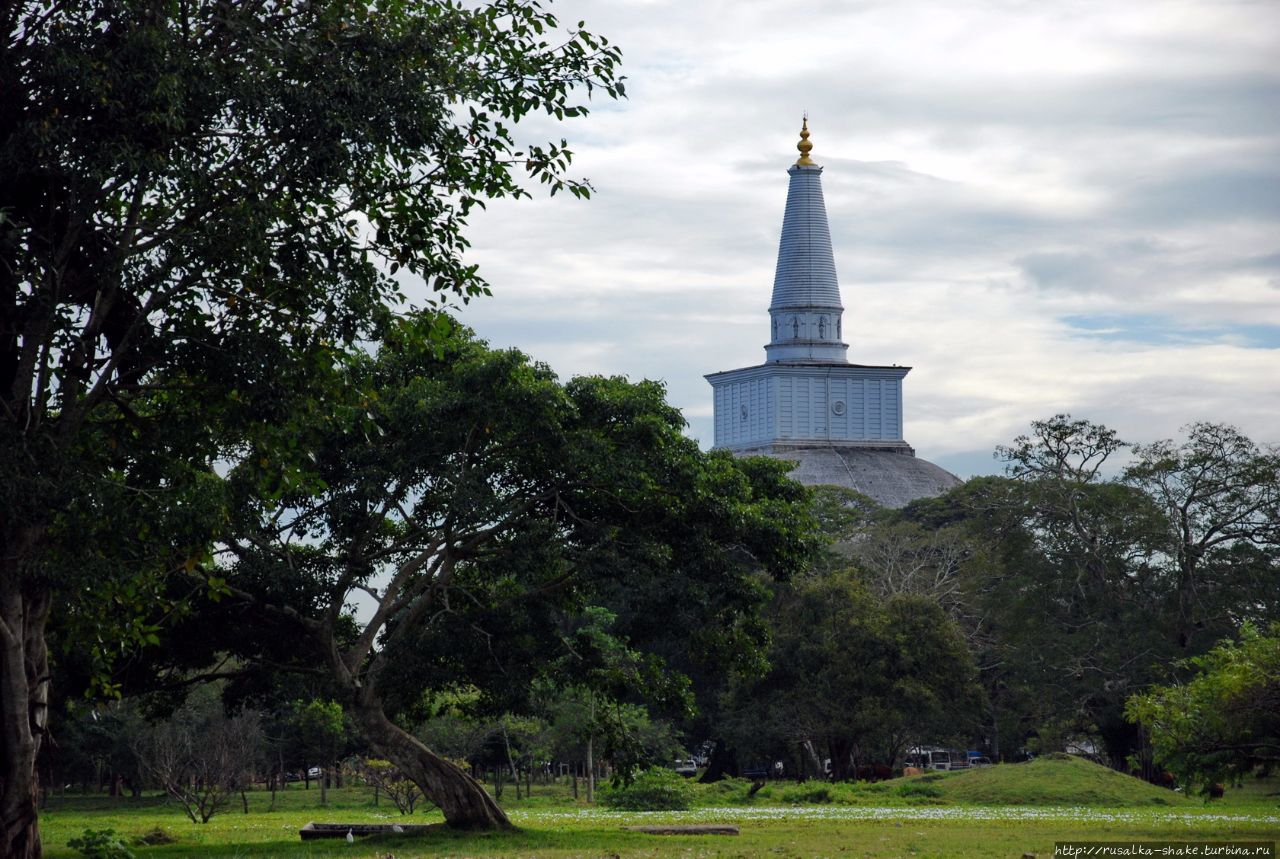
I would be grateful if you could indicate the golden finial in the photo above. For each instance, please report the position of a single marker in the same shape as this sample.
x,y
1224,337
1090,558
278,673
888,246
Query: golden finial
x,y
804,145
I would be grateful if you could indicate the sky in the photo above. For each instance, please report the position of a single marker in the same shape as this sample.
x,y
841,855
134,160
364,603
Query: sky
x,y
1040,207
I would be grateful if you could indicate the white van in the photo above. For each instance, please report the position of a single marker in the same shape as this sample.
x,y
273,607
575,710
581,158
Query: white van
x,y
931,759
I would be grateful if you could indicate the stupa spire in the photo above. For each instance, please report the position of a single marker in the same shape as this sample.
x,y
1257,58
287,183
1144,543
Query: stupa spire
x,y
804,145
805,312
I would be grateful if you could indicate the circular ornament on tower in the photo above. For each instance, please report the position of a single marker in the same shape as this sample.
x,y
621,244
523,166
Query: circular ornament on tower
x,y
838,407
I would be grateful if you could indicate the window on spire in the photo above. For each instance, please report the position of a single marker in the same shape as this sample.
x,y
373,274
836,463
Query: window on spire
x,y
822,328
795,328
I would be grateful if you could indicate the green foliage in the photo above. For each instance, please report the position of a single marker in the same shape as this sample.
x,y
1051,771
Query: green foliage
x,y
203,207
321,727
513,533
654,789
913,789
100,844
1071,584
809,792
98,739
388,779
856,675
1220,494
1225,720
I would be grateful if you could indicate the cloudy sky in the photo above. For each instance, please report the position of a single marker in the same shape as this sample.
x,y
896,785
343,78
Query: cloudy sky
x,y
1040,206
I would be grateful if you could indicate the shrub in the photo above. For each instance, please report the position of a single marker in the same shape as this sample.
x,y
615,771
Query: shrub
x,y
730,790
153,837
807,793
100,844
387,777
653,790
916,789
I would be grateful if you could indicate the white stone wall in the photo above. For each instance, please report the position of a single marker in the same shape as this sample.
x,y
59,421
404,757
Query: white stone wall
x,y
788,403
744,413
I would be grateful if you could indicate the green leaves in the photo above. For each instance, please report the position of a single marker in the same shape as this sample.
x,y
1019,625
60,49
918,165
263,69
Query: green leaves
x,y
1225,720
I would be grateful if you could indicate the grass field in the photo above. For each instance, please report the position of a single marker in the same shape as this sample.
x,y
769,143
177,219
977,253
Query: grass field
x,y
974,814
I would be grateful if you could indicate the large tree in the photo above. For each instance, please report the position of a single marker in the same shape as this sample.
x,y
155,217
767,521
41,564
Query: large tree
x,y
1220,493
487,516
1072,597
199,203
1089,579
855,677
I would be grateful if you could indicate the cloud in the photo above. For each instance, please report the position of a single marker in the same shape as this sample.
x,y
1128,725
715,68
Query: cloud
x,y
1042,207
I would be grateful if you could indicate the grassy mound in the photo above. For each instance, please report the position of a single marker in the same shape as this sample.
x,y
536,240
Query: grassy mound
x,y
1052,780
1056,780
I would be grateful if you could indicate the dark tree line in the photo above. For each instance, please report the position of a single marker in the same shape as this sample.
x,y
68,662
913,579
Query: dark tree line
x,y
1045,600
1082,580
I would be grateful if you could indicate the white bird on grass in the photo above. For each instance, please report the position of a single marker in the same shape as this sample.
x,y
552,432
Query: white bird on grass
x,y
351,839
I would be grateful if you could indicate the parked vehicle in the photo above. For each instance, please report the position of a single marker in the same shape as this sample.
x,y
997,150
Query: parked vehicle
x,y
688,769
935,759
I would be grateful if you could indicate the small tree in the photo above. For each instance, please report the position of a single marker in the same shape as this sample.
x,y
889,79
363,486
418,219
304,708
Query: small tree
x,y
321,729
387,777
202,757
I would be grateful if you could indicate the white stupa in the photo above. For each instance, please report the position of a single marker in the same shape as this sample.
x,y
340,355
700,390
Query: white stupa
x,y
840,422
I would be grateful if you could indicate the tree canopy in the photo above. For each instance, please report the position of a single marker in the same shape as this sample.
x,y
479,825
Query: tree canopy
x,y
1224,722
1082,580
201,206
499,528
855,678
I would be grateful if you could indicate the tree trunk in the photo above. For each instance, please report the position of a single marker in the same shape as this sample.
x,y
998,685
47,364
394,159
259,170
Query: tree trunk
x,y
24,698
841,755
724,762
463,801
515,773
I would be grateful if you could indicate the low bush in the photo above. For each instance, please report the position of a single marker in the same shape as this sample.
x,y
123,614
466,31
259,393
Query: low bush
x,y
918,789
652,790
154,837
809,792
727,790
100,844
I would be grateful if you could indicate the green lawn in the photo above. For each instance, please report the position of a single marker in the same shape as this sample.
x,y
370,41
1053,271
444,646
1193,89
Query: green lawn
x,y
962,815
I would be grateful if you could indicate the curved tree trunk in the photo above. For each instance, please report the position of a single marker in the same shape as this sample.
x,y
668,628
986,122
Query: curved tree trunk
x,y
464,802
24,691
